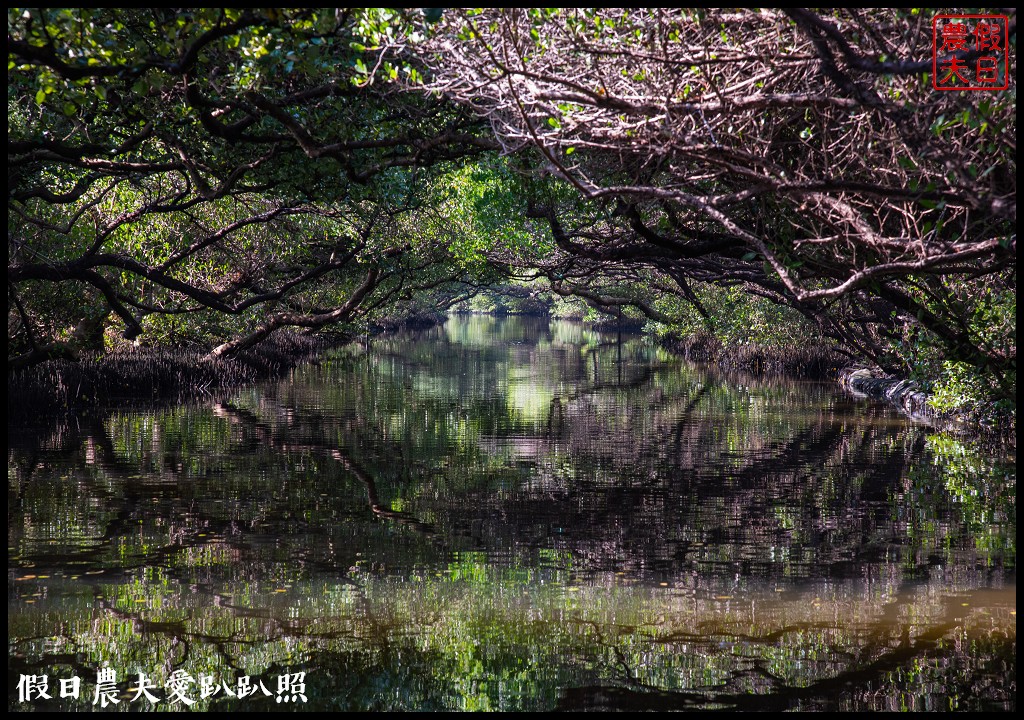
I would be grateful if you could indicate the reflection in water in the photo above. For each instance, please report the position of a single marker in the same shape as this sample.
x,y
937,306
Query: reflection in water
x,y
512,514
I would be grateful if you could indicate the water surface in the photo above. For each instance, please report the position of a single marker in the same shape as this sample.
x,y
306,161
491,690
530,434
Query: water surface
x,y
513,514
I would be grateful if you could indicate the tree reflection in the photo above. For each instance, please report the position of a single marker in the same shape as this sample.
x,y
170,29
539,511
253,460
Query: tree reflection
x,y
506,516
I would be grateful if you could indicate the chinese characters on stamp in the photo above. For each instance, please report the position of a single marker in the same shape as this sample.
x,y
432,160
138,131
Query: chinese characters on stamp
x,y
970,52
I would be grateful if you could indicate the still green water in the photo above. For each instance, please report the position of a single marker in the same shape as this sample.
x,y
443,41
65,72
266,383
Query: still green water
x,y
511,514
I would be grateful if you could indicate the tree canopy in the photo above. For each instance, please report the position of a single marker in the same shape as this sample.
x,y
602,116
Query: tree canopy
x,y
241,171
164,164
804,156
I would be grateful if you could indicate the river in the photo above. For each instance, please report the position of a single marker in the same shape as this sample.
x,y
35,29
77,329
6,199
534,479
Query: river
x,y
510,514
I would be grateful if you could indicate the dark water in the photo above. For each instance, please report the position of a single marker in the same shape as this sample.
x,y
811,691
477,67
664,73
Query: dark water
x,y
508,514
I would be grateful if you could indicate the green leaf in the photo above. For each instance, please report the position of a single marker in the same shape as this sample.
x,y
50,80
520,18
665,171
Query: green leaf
x,y
40,96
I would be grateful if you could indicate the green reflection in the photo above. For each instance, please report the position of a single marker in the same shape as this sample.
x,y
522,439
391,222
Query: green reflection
x,y
476,637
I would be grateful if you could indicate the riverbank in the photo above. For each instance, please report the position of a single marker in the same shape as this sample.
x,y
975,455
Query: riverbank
x,y
812,363
911,399
148,375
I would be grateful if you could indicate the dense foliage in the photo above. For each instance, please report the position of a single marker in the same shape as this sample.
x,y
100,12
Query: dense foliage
x,y
213,175
214,166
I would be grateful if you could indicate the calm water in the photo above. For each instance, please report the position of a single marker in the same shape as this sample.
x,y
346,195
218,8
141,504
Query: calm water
x,y
507,514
